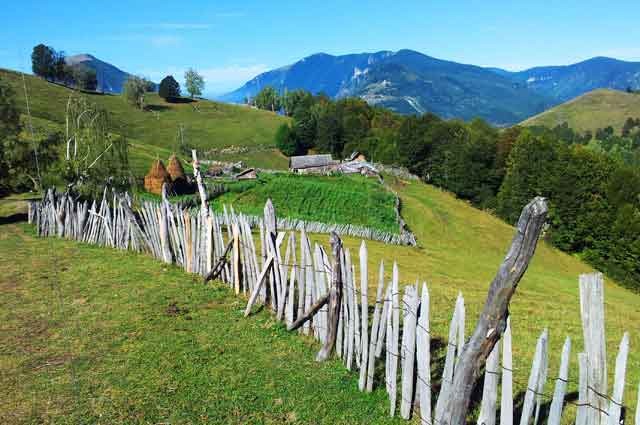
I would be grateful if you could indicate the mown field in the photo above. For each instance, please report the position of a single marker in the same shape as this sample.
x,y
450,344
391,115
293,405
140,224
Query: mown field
x,y
206,124
89,331
593,110
334,199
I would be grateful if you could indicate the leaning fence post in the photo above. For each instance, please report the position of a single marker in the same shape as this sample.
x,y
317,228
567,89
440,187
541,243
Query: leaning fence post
x,y
534,379
492,321
423,342
335,299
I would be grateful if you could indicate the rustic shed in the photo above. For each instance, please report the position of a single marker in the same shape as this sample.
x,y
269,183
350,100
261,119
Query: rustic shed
x,y
311,163
248,174
156,177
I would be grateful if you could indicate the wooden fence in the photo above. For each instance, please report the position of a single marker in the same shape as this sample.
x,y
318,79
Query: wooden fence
x,y
294,278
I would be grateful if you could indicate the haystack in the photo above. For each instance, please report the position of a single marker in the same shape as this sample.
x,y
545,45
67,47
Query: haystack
x,y
175,169
156,176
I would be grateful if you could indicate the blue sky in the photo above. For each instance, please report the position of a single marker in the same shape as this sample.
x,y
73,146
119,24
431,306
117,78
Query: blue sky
x,y
229,42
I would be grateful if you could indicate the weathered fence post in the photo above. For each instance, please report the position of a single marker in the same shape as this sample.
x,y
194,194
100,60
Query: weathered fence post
x,y
490,390
335,299
618,383
592,312
423,341
410,316
506,397
364,333
555,412
535,378
492,321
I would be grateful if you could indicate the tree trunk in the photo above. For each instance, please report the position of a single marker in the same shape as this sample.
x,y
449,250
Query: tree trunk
x,y
493,319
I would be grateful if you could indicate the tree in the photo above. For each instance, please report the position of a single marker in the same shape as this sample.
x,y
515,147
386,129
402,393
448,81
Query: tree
x,y
19,170
43,61
286,141
85,78
169,88
95,157
134,90
194,82
268,99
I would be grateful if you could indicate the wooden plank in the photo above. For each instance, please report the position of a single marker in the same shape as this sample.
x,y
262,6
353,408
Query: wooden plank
x,y
423,343
450,358
506,396
410,307
582,412
364,332
386,305
618,383
592,312
555,412
487,414
374,329
534,379
394,353
256,290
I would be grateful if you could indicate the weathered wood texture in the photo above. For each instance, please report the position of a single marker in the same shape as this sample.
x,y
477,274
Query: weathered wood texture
x,y
492,321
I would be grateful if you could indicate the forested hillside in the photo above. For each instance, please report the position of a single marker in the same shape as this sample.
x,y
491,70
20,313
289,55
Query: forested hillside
x,y
592,181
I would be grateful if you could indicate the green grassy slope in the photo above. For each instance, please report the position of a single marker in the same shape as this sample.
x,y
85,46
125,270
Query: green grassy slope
x,y
124,348
206,124
145,344
336,199
593,110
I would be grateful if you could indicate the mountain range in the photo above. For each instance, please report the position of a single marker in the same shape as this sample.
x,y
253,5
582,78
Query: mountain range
x,y
410,82
110,78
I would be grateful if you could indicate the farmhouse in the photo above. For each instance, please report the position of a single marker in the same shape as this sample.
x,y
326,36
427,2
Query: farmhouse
x,y
312,164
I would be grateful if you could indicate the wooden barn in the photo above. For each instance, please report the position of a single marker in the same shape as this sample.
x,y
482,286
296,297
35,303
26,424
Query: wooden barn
x,y
156,177
312,164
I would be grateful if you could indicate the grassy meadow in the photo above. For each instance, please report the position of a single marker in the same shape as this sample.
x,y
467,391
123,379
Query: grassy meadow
x,y
332,199
112,337
593,110
206,124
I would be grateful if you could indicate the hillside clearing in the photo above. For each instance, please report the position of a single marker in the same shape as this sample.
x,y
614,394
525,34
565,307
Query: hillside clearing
x,y
591,111
333,199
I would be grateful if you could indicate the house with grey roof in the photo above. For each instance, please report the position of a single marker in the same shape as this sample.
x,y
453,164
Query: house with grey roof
x,y
323,163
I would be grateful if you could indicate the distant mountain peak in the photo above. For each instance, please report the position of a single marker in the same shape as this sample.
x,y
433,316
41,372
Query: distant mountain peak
x,y
410,82
111,79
